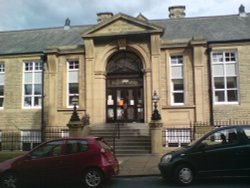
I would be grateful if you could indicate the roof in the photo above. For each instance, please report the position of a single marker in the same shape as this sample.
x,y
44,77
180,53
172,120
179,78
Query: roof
x,y
37,40
214,29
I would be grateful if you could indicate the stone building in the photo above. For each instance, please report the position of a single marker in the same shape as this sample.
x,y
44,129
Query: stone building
x,y
199,68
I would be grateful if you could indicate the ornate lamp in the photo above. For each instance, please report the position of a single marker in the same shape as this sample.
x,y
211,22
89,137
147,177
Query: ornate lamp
x,y
74,116
155,115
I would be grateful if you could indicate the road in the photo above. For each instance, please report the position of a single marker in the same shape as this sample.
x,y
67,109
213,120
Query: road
x,y
158,182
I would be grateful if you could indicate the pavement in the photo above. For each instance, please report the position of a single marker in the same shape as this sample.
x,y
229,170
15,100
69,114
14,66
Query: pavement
x,y
143,165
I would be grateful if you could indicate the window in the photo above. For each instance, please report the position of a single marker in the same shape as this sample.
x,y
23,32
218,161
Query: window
x,y
177,137
246,130
76,146
72,86
222,137
2,70
32,84
224,69
48,150
30,139
177,80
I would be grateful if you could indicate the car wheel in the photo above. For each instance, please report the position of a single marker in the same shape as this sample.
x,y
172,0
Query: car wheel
x,y
93,177
10,180
184,175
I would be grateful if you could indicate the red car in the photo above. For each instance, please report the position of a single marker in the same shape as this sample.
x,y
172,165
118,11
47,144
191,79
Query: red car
x,y
87,160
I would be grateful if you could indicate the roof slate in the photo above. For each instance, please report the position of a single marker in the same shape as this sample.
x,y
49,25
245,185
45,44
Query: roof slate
x,y
214,29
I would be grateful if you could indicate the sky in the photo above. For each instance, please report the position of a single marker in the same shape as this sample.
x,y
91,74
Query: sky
x,y
32,14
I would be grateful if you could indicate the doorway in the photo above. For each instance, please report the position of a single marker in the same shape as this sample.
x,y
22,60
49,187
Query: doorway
x,y
124,91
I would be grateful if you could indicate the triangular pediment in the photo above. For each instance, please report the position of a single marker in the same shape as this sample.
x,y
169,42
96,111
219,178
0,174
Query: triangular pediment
x,y
122,24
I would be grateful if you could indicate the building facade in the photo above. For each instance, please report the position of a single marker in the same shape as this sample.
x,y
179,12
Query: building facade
x,y
199,67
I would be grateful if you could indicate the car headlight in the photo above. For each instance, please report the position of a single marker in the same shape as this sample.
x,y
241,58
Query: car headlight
x,y
166,158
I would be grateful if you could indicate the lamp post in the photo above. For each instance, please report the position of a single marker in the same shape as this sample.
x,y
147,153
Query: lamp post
x,y
155,115
74,116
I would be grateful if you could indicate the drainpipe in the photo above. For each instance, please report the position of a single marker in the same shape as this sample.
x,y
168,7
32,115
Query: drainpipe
x,y
210,88
43,58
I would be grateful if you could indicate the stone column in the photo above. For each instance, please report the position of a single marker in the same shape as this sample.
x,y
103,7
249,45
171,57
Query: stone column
x,y
156,136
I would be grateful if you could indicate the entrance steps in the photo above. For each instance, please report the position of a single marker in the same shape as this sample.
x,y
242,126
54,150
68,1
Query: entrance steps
x,y
134,137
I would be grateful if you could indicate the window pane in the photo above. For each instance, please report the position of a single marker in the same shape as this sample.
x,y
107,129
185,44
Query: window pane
x,y
73,88
38,89
28,89
178,97
27,101
1,90
232,95
38,101
38,77
178,85
231,69
218,70
1,79
177,72
73,76
38,66
29,66
230,56
219,83
219,96
231,82
176,60
1,102
217,57
28,77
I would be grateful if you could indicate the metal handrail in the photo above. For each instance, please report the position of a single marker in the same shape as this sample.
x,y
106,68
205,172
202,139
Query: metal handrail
x,y
116,134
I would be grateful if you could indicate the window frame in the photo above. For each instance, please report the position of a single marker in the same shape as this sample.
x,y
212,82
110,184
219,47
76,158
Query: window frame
x,y
2,72
182,78
71,70
225,76
32,70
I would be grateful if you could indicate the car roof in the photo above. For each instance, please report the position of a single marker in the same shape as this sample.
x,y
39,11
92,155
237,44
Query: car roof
x,y
89,138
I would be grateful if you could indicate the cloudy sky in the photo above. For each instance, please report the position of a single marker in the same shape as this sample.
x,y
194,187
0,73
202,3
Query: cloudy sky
x,y
26,14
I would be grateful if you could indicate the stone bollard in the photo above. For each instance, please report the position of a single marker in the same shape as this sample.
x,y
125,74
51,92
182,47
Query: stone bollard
x,y
156,136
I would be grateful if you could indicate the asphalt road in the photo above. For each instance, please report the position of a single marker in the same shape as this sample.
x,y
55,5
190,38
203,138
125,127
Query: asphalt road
x,y
158,182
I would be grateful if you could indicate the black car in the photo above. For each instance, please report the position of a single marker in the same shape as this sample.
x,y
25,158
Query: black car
x,y
223,151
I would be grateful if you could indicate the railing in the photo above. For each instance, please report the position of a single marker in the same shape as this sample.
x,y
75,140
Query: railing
x,y
25,140
116,134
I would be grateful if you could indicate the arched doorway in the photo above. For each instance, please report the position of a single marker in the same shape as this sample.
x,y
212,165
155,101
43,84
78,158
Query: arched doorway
x,y
124,96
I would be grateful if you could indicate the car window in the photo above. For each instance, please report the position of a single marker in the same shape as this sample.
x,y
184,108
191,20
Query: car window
x,y
47,150
222,137
247,132
75,146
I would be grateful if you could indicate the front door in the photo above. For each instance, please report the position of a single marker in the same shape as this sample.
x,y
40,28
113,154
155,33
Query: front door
x,y
125,105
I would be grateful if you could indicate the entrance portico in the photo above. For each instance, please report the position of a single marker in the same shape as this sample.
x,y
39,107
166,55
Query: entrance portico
x,y
122,69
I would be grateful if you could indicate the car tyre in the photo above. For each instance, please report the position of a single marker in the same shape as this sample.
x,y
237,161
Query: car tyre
x,y
10,180
93,178
184,175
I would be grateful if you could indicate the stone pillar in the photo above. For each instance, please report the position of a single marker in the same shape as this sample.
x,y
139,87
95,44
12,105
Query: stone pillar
x,y
156,136
76,129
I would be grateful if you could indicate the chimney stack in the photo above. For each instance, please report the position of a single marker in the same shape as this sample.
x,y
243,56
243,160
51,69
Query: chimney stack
x,y
102,16
242,12
177,12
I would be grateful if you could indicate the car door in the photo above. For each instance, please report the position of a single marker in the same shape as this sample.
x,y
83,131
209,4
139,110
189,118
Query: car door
x,y
76,157
221,152
244,151
43,163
